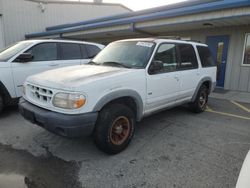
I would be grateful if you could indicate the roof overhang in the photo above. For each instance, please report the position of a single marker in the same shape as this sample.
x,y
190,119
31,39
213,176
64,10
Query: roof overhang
x,y
213,14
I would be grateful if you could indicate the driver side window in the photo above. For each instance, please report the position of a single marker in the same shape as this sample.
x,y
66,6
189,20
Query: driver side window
x,y
44,52
166,54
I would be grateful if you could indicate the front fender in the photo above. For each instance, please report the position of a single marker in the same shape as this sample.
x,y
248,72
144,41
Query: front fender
x,y
119,94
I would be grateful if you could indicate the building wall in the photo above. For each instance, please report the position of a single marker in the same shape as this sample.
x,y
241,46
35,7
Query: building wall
x,y
21,17
2,42
0,6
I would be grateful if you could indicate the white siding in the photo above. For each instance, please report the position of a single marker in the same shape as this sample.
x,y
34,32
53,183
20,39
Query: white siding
x,y
0,7
2,43
23,17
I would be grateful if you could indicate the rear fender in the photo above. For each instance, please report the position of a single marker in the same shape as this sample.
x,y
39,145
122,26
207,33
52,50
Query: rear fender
x,y
202,81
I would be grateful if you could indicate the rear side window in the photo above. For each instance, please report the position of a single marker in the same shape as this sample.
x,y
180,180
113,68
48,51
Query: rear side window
x,y
84,52
70,51
188,58
44,52
205,56
92,50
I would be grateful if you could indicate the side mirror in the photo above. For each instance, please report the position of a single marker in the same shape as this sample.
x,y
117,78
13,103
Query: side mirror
x,y
24,57
155,67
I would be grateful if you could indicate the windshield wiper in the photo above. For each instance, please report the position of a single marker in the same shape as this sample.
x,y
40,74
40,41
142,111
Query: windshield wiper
x,y
115,64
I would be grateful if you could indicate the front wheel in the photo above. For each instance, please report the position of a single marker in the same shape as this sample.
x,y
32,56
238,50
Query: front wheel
x,y
114,128
200,103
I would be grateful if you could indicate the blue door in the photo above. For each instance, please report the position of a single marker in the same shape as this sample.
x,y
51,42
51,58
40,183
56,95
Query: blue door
x,y
219,47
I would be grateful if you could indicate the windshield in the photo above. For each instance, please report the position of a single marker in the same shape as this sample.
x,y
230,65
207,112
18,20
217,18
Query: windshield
x,y
12,50
129,54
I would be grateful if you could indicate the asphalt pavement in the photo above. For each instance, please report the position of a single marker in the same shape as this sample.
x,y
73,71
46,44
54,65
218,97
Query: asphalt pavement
x,y
174,148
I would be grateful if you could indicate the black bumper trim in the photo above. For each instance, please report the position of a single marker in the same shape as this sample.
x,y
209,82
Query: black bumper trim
x,y
61,124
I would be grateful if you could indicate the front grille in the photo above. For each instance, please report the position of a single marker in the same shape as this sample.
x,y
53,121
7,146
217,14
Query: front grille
x,y
39,94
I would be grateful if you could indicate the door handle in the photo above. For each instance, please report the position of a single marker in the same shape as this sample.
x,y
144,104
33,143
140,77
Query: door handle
x,y
177,78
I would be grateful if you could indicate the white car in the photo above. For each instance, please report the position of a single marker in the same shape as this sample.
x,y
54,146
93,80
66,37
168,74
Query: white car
x,y
126,81
29,57
244,179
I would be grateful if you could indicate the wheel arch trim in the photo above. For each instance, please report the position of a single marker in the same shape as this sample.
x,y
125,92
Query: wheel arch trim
x,y
202,81
119,94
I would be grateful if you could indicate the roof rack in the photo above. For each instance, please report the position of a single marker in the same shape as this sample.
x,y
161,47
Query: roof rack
x,y
191,40
178,38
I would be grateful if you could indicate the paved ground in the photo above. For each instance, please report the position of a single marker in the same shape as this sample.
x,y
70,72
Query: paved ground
x,y
221,93
175,148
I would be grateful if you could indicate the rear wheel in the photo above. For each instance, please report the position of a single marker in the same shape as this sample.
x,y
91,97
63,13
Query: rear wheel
x,y
1,104
114,128
200,103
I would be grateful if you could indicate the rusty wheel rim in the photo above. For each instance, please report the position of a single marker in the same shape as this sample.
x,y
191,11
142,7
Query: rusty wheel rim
x,y
203,99
120,130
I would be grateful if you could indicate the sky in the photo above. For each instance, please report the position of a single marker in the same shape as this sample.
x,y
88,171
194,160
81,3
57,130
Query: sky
x,y
141,4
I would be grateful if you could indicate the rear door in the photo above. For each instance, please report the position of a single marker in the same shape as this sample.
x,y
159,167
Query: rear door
x,y
189,71
70,54
45,57
85,56
92,51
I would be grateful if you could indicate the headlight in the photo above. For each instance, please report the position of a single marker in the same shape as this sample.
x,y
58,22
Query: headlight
x,y
69,101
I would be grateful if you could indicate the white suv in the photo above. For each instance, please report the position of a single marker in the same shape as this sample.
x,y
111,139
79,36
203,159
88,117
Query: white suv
x,y
128,80
26,58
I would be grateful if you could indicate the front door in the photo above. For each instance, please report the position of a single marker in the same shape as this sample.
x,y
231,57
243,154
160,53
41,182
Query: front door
x,y
218,45
45,57
163,85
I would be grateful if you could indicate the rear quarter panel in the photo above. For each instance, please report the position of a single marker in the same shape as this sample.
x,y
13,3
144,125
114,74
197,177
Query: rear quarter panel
x,y
211,73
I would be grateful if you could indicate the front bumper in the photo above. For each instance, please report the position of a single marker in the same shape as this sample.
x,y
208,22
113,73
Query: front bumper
x,y
61,124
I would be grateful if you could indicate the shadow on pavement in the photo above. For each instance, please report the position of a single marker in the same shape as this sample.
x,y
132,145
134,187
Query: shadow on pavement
x,y
21,168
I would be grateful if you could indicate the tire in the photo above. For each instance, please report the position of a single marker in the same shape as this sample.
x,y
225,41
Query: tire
x,y
200,103
114,128
1,104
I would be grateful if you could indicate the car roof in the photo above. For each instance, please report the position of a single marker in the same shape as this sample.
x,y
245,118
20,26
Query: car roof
x,y
64,41
161,40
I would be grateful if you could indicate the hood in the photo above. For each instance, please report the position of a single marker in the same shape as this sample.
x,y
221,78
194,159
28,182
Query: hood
x,y
74,76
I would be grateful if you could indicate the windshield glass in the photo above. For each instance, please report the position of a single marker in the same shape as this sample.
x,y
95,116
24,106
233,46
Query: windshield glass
x,y
12,50
128,54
